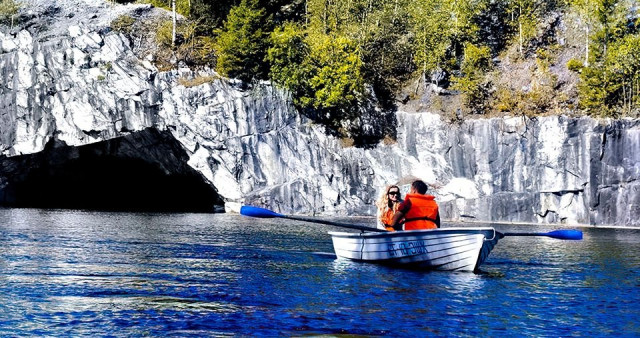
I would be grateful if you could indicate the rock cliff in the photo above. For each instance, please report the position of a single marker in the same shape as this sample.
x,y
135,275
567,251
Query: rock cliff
x,y
78,107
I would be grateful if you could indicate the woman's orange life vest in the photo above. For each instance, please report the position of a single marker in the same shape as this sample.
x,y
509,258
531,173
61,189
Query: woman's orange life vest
x,y
420,207
387,218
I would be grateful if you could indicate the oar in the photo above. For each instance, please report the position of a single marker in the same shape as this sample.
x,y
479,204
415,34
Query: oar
x,y
265,213
559,234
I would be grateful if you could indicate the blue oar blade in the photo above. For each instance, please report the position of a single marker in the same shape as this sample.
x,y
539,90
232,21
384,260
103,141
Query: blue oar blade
x,y
258,212
557,234
565,234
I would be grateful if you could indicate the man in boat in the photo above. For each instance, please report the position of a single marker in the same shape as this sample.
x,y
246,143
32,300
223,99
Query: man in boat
x,y
419,210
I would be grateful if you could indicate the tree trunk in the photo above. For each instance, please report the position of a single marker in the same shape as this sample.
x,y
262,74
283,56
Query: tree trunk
x,y
520,34
173,32
586,54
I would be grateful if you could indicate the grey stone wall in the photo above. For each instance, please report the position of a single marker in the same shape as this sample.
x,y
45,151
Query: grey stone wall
x,y
80,83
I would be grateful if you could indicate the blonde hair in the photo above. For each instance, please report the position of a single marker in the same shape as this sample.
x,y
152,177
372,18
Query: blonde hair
x,y
383,202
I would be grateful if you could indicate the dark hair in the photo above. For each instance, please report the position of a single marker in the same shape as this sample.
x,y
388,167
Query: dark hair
x,y
420,187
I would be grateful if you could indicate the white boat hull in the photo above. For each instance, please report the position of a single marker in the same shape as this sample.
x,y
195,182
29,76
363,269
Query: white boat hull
x,y
451,249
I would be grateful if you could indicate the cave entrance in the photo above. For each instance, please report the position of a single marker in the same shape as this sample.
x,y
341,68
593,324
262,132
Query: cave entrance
x,y
145,171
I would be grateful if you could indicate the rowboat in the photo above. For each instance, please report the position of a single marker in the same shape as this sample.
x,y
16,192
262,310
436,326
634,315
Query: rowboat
x,y
450,249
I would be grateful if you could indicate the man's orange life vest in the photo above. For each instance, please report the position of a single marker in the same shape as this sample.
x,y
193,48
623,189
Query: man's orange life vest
x,y
422,214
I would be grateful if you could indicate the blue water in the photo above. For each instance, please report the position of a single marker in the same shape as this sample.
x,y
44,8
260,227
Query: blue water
x,y
121,274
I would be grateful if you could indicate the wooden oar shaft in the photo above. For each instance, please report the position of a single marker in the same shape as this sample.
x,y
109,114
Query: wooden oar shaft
x,y
343,225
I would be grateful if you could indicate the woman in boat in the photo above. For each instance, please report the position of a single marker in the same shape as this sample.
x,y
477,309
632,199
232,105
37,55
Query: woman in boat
x,y
388,206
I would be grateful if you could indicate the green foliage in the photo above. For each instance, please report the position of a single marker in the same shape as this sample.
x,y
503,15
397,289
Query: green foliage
x,y
386,51
440,36
494,18
194,49
123,24
327,52
476,62
613,25
183,7
431,34
288,57
477,59
526,16
190,48
380,30
575,65
8,10
200,50
537,100
609,84
210,14
164,34
611,87
336,68
324,73
242,43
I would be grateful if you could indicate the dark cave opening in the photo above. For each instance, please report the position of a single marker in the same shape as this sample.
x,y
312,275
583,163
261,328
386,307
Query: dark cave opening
x,y
143,172
113,184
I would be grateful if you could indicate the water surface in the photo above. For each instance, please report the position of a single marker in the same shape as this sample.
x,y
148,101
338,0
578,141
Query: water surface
x,y
125,274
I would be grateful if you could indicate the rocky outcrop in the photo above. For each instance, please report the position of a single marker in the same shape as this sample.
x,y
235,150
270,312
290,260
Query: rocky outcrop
x,y
142,171
84,88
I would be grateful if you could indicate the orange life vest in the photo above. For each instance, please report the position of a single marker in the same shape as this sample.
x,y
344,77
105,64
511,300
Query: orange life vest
x,y
387,218
422,206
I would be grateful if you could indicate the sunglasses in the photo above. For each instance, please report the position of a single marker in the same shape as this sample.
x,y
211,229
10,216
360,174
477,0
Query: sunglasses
x,y
397,193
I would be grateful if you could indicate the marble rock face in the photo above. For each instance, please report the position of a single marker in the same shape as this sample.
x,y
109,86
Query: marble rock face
x,y
76,90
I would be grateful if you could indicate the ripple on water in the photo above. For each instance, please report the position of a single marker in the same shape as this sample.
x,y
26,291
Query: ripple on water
x,y
71,273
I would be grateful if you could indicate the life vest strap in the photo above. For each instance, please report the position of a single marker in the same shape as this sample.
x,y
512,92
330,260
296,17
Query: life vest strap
x,y
425,218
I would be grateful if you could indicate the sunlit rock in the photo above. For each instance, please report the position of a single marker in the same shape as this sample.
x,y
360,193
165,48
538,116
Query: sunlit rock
x,y
76,84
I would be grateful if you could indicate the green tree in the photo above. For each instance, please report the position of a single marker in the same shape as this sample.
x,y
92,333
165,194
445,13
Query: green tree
x,y
431,34
382,35
289,59
324,73
612,24
587,10
609,84
183,7
8,11
462,23
337,79
613,87
440,35
525,15
476,62
328,16
494,19
242,43
210,14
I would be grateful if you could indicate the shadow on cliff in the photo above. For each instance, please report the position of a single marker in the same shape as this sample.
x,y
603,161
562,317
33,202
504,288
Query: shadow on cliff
x,y
144,171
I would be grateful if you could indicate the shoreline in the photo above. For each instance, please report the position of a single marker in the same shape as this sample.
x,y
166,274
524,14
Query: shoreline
x,y
445,221
551,224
